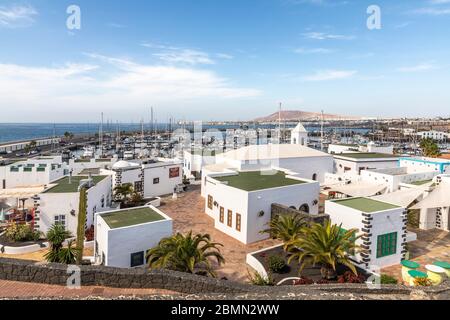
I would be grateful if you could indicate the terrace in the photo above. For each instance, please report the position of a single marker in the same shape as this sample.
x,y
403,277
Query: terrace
x,y
366,205
366,155
131,217
70,185
257,180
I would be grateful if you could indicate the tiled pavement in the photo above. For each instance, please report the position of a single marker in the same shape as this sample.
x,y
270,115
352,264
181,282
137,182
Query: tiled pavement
x,y
188,212
431,246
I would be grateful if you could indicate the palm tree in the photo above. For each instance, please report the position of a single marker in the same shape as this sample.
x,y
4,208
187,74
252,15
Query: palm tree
x,y
56,235
430,148
325,245
81,230
190,254
123,192
69,254
286,227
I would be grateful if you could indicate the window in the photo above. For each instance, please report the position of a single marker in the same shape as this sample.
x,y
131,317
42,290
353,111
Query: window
x,y
137,259
222,215
314,177
210,202
138,186
304,208
60,220
230,218
238,222
4,184
102,201
387,245
174,172
156,181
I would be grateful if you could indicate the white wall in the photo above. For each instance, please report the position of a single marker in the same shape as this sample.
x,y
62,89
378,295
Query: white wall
x,y
383,222
356,166
166,184
250,204
120,243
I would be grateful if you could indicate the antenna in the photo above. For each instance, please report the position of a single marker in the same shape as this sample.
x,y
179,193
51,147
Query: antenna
x,y
100,137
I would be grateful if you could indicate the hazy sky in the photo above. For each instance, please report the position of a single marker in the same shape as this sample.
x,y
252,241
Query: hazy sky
x,y
222,59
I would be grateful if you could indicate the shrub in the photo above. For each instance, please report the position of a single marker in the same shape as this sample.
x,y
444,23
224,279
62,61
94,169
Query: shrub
x,y
350,277
258,280
89,234
21,232
323,281
303,281
413,218
387,279
423,282
276,264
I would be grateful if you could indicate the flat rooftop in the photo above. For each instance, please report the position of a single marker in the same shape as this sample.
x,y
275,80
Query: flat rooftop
x,y
366,155
63,185
256,180
366,205
131,217
421,182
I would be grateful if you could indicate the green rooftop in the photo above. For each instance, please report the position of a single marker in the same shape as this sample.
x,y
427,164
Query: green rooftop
x,y
366,155
366,205
63,185
257,180
131,217
421,183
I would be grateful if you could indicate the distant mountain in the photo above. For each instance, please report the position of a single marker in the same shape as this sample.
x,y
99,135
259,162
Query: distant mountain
x,y
303,116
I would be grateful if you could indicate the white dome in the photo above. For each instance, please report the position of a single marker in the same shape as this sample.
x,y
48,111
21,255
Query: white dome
x,y
124,165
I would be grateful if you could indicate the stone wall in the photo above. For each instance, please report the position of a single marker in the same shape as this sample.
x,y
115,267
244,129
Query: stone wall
x,y
280,210
30,271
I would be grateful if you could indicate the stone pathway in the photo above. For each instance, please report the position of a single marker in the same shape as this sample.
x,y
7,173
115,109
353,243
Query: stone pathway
x,y
188,212
22,290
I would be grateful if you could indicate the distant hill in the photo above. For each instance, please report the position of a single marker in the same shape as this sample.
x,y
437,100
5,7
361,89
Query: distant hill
x,y
303,116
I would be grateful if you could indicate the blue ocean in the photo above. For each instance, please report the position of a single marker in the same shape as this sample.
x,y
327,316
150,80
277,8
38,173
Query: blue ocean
x,y
10,132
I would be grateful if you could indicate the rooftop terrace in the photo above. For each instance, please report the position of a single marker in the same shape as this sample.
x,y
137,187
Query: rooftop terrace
x,y
63,185
367,155
366,205
257,180
131,217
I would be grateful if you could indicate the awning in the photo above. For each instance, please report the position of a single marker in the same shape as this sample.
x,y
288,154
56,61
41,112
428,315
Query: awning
x,y
402,198
438,198
359,189
24,192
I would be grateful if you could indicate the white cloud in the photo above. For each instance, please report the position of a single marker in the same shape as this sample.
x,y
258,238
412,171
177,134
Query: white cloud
x,y
432,11
326,75
224,56
17,16
313,50
439,1
418,68
327,36
185,56
77,90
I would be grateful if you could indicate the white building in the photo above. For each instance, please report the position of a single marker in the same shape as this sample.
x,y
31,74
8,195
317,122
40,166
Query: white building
x,y
32,172
59,204
240,202
299,135
397,178
422,164
308,163
77,166
123,237
19,146
150,178
433,134
194,160
382,226
371,147
354,163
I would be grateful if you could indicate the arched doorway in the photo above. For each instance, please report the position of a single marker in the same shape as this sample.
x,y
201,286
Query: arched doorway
x,y
304,208
314,177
